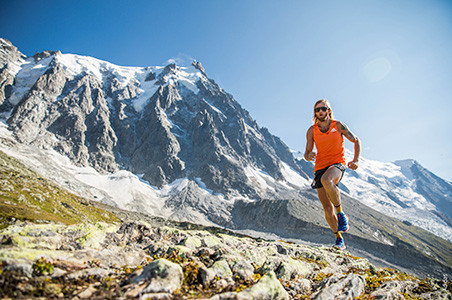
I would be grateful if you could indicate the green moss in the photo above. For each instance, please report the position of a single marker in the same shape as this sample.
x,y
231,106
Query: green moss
x,y
26,196
95,234
192,242
376,277
29,254
211,240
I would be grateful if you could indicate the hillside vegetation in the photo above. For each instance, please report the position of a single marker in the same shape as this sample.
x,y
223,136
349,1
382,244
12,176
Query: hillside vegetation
x,y
26,196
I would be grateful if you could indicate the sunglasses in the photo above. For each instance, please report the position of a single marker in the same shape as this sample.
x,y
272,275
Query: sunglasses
x,y
323,108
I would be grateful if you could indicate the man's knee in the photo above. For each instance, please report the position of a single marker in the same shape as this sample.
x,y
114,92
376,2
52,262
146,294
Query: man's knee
x,y
327,181
331,177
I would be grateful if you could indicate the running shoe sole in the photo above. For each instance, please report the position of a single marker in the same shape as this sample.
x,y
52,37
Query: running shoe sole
x,y
339,248
339,244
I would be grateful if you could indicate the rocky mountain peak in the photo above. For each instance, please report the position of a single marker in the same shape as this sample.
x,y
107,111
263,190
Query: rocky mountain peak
x,y
45,54
5,43
199,67
8,51
169,71
10,61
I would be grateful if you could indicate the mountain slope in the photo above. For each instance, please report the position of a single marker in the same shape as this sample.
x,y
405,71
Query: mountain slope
x,y
26,196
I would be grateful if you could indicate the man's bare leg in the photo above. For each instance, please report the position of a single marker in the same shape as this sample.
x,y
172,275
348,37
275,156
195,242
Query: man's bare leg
x,y
328,208
329,181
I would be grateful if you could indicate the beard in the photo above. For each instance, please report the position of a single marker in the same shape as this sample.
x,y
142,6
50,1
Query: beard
x,y
322,119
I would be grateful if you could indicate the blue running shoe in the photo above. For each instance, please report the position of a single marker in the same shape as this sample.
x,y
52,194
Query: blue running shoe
x,y
339,244
342,222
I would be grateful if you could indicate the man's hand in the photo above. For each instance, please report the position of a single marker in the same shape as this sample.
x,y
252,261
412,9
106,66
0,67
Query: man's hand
x,y
353,165
310,156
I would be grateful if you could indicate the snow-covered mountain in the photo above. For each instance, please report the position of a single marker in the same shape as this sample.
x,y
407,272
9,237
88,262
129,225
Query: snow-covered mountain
x,y
172,126
168,141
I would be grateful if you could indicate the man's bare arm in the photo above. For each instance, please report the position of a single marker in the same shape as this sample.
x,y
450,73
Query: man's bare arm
x,y
308,154
346,132
354,139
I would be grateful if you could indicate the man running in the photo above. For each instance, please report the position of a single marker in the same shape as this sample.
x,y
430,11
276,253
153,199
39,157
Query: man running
x,y
327,135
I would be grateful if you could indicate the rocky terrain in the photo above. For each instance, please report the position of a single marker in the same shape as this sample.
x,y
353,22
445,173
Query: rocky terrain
x,y
155,259
54,244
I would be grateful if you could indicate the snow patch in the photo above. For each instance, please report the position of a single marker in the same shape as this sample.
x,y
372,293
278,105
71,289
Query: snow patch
x,y
260,178
30,71
293,177
77,64
202,185
249,129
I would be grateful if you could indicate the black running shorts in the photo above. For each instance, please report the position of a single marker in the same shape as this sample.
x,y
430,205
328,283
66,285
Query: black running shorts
x,y
317,182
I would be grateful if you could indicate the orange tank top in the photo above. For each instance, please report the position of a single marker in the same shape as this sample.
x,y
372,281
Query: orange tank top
x,y
330,147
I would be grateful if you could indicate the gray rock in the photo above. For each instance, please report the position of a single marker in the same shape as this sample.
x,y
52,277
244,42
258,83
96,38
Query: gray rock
x,y
243,269
268,287
162,276
339,287
230,296
6,83
221,269
10,58
192,242
9,52
199,66
301,286
127,256
271,264
21,266
206,275
87,293
156,296
95,272
57,272
291,269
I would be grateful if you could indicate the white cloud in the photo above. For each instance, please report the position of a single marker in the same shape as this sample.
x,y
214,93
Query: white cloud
x,y
182,60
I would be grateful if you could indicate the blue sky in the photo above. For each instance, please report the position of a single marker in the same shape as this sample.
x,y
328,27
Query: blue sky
x,y
386,66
